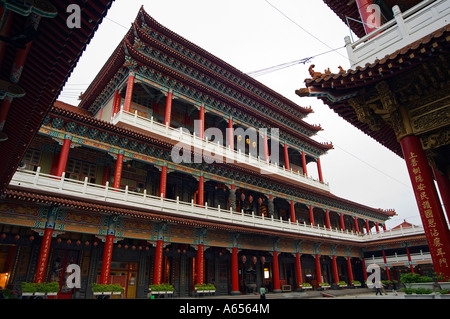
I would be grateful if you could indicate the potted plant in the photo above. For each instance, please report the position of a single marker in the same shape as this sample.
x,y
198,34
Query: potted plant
x,y
444,282
28,289
443,294
415,281
204,288
39,290
324,285
102,291
421,293
356,283
342,284
306,285
161,289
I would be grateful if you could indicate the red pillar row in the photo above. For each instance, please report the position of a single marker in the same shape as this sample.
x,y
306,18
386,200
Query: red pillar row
x,y
341,221
319,170
305,171
387,268
286,157
201,191
298,270
350,271
43,255
201,132
318,270
292,211
311,215
335,269
163,182
327,219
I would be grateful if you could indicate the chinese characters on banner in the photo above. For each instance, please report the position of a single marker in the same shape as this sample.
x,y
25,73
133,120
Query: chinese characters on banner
x,y
429,209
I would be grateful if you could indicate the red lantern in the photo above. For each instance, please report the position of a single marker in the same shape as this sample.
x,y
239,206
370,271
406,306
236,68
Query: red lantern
x,y
242,196
31,237
17,237
3,236
250,198
263,259
69,241
260,201
78,243
255,259
244,259
59,240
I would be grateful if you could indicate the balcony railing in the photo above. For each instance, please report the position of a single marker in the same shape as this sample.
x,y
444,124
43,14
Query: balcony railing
x,y
397,260
396,232
225,154
61,186
406,28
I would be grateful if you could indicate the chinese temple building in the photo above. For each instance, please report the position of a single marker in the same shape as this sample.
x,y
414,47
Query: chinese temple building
x,y
177,168
397,91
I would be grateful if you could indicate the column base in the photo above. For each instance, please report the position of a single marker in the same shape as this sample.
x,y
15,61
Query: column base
x,y
235,293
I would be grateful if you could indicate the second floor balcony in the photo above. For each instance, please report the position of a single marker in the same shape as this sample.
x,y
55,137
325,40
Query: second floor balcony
x,y
182,138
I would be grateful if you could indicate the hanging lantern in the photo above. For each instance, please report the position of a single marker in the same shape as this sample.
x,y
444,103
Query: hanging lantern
x,y
133,247
59,240
147,248
69,241
126,246
247,140
263,259
254,144
95,243
260,201
119,246
255,260
17,237
86,243
3,236
31,238
244,259
239,138
242,196
78,243
250,198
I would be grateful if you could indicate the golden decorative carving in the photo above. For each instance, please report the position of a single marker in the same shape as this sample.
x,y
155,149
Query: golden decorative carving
x,y
436,139
365,114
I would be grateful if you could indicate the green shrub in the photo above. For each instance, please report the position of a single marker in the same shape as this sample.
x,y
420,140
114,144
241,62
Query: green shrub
x,y
414,278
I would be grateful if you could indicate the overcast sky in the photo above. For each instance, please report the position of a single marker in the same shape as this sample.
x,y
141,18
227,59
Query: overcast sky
x,y
256,34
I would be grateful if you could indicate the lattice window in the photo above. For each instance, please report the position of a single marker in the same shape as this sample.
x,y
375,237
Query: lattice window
x,y
78,170
32,159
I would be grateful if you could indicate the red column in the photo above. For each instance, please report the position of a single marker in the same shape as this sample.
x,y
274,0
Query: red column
x,y
157,272
230,134
319,170
305,171
335,269
298,269
377,227
409,260
200,264
311,215
168,111
387,268
286,157
276,272
356,225
292,212
431,213
318,270
443,183
350,271
163,182
129,93
363,263
341,221
118,171
367,15
234,272
200,197
384,227
63,157
367,226
327,219
201,132
107,257
43,255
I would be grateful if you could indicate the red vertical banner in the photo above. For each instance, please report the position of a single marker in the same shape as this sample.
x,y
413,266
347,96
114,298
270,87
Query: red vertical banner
x,y
409,260
234,271
430,208
129,93
363,263
118,171
157,272
276,272
62,163
298,269
386,265
107,257
43,255
200,264
116,103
